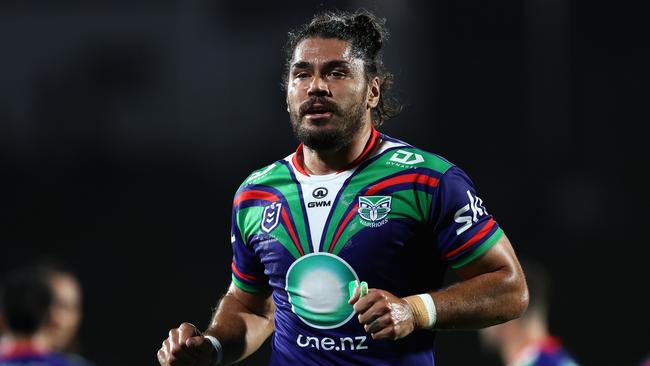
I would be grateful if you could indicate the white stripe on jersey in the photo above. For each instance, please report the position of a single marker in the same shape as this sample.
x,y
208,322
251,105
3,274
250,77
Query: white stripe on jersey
x,y
318,213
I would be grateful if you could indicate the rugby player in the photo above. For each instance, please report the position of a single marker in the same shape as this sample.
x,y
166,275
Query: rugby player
x,y
352,205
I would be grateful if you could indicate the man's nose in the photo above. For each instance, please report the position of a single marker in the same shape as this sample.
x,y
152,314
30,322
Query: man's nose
x,y
318,87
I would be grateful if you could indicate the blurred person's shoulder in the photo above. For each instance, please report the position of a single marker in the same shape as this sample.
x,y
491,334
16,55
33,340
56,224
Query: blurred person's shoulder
x,y
33,359
77,360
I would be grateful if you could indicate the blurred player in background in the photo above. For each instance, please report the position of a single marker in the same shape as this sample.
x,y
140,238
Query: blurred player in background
x,y
41,311
352,204
526,341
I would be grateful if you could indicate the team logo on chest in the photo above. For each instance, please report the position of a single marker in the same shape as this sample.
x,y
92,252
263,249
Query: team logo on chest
x,y
271,216
373,210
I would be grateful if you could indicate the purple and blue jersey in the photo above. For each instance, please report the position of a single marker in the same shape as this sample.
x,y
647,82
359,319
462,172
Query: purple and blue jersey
x,y
549,352
28,355
396,218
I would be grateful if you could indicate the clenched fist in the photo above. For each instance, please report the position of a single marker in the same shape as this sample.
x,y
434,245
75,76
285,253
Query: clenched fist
x,y
383,315
186,346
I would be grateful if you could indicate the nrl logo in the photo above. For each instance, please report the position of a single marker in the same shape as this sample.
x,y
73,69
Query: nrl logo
x,y
271,216
374,210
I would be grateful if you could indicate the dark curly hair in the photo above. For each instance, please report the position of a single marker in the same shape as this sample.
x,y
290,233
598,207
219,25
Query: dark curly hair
x,y
366,34
27,295
25,300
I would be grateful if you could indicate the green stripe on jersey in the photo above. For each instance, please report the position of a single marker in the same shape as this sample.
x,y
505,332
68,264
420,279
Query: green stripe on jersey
x,y
246,287
278,176
249,220
480,250
282,181
411,157
389,163
259,174
406,204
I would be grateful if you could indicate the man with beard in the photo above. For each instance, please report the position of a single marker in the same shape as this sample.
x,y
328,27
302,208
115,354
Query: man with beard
x,y
351,205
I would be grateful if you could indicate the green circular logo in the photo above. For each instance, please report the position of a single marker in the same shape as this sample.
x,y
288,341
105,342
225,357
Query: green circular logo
x,y
317,285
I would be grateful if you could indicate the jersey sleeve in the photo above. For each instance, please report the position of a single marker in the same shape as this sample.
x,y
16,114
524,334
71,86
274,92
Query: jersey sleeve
x,y
247,269
464,229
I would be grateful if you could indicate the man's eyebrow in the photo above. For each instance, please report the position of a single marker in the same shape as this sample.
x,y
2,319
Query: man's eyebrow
x,y
336,63
301,65
329,64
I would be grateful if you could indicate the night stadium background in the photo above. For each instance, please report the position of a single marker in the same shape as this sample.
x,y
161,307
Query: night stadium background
x,y
126,128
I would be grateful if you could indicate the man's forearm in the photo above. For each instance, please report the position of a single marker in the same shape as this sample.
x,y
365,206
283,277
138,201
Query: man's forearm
x,y
487,299
240,329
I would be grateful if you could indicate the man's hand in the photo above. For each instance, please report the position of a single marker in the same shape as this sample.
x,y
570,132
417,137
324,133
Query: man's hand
x,y
384,315
186,346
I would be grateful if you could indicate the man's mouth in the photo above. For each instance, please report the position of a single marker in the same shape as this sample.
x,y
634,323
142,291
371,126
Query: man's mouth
x,y
318,115
318,111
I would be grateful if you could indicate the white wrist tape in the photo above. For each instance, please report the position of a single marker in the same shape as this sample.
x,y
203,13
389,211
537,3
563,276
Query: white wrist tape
x,y
431,309
218,349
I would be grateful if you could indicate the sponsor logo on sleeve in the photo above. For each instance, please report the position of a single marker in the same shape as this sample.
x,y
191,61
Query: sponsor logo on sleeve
x,y
467,220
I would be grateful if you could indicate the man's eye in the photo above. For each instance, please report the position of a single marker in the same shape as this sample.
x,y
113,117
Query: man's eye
x,y
301,75
337,74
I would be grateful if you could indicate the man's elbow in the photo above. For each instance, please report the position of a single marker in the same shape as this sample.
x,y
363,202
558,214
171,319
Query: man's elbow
x,y
522,303
519,298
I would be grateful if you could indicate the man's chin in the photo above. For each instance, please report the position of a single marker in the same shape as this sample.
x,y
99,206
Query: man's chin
x,y
320,137
317,122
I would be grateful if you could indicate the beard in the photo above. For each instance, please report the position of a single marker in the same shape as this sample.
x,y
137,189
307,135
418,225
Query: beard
x,y
330,135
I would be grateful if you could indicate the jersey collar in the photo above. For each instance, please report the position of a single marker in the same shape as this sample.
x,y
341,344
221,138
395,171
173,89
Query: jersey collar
x,y
372,142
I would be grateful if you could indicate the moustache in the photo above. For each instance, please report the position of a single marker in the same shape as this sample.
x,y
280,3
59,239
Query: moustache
x,y
325,105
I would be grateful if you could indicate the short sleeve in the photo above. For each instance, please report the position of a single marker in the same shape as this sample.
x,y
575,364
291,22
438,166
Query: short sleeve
x,y
463,228
247,269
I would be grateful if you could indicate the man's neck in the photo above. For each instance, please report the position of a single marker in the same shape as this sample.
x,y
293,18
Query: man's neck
x,y
318,162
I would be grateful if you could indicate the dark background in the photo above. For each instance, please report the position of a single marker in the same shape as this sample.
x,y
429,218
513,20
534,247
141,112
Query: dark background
x,y
125,130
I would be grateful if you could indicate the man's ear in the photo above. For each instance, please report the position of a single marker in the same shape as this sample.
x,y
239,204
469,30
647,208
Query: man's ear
x,y
374,92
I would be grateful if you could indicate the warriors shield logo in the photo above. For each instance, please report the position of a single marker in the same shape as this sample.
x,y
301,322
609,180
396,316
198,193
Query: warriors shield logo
x,y
374,208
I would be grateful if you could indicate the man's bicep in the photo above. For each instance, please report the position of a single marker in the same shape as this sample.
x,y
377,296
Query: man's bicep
x,y
501,256
259,303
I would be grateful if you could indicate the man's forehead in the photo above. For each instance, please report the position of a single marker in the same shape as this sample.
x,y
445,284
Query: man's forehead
x,y
322,50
